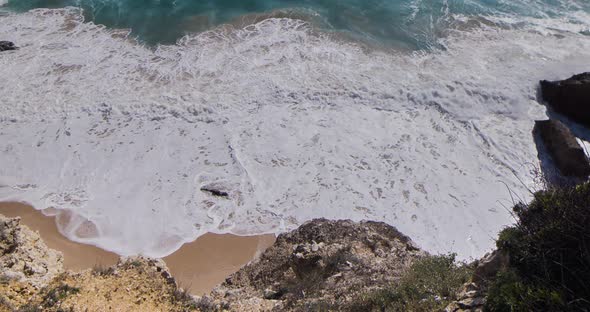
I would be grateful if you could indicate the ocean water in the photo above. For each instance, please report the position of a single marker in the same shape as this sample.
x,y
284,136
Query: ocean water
x,y
414,24
114,114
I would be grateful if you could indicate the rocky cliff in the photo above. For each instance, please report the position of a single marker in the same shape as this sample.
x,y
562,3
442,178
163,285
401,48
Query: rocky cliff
x,y
32,278
322,264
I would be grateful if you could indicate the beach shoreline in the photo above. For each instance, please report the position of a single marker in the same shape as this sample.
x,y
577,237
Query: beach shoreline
x,y
198,266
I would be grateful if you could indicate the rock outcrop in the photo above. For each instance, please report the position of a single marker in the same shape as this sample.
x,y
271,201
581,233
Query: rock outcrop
x,y
488,266
472,297
24,257
321,264
32,278
570,97
7,46
563,147
134,284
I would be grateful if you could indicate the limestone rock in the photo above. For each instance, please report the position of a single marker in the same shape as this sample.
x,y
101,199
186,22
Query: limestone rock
x,y
489,266
322,262
24,256
471,298
133,284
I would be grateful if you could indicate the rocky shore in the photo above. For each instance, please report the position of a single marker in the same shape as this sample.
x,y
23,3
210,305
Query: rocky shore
x,y
323,265
32,278
568,107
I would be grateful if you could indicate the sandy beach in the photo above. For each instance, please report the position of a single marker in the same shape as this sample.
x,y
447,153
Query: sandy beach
x,y
198,266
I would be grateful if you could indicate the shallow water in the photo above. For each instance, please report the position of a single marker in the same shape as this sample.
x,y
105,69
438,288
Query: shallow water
x,y
290,117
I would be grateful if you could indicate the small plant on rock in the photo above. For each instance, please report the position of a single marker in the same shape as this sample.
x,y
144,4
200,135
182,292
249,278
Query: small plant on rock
x,y
428,285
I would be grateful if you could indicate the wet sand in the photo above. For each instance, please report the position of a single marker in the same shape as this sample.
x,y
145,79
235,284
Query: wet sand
x,y
198,266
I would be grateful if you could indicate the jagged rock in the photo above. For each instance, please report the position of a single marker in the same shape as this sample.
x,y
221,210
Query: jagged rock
x,y
570,97
24,256
561,144
7,46
471,298
35,271
270,293
133,284
322,262
8,235
489,266
470,303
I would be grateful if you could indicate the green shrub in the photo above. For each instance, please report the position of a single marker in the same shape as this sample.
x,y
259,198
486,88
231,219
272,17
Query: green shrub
x,y
549,250
183,297
134,264
509,293
57,294
430,284
309,279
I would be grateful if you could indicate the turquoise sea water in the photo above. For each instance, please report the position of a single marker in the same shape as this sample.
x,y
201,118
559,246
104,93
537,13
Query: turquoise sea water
x,y
413,24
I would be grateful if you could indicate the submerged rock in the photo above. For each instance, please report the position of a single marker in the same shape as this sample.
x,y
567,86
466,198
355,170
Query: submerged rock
x,y
563,147
7,46
570,97
218,188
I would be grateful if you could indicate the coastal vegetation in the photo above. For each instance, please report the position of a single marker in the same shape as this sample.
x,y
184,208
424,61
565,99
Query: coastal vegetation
x,y
548,269
430,284
549,250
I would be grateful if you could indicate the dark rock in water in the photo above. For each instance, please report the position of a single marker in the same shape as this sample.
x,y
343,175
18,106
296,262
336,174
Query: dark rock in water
x,y
215,191
7,46
561,144
570,97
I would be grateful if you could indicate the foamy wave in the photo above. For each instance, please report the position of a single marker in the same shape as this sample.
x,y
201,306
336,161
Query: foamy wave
x,y
290,124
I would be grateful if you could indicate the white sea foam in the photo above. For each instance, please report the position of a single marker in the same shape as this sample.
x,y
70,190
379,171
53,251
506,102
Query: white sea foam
x,y
291,124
